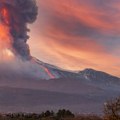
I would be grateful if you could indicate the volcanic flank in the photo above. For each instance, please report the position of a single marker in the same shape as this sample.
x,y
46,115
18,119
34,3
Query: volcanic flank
x,y
14,17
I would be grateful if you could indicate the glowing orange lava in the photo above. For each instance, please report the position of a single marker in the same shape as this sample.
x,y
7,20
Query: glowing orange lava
x,y
47,71
4,32
5,37
5,15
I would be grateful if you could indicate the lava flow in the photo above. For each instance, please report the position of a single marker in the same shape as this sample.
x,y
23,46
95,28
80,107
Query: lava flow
x,y
48,72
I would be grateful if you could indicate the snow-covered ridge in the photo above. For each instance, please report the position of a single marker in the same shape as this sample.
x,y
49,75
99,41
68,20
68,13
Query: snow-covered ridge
x,y
53,72
99,76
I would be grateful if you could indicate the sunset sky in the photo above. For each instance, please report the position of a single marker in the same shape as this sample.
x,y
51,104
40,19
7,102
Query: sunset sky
x,y
78,34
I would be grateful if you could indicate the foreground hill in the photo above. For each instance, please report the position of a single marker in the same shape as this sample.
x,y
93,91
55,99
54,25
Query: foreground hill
x,y
78,95
29,100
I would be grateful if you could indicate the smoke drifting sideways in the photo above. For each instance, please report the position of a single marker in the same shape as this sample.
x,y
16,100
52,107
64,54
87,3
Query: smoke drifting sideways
x,y
19,70
17,14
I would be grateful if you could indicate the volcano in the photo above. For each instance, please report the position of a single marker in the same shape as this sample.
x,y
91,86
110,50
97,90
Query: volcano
x,y
48,71
30,85
50,87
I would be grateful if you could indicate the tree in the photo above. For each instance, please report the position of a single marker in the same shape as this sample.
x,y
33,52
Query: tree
x,y
112,110
64,113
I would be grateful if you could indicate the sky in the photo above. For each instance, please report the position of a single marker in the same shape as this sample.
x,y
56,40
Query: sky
x,y
78,34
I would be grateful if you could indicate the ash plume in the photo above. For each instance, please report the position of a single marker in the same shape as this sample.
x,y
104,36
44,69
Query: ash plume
x,y
19,14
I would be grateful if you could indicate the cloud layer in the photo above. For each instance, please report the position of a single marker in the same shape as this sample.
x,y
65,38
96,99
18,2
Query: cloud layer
x,y
78,34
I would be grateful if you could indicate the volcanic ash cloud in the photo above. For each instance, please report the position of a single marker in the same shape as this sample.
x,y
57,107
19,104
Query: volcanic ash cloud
x,y
14,17
15,58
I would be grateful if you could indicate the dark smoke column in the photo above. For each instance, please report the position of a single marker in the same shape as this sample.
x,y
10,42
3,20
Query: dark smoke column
x,y
21,13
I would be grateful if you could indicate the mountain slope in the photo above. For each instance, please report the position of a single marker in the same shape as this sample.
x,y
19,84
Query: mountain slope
x,y
53,72
99,76
31,100
78,95
54,88
50,71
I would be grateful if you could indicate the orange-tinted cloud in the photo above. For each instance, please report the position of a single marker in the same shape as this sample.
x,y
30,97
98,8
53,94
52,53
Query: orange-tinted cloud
x,y
78,34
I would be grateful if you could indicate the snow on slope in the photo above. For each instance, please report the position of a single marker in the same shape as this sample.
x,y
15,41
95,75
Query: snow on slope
x,y
48,71
99,77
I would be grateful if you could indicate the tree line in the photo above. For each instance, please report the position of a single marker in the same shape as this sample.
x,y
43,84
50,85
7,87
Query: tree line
x,y
111,112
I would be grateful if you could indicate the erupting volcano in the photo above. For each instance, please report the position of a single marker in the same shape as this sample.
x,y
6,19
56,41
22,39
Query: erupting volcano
x,y
14,17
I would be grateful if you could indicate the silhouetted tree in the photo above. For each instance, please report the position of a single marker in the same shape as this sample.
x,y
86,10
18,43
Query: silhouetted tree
x,y
47,114
64,113
112,110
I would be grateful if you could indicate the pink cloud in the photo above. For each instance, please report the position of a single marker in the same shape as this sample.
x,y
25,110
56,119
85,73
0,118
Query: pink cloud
x,y
76,35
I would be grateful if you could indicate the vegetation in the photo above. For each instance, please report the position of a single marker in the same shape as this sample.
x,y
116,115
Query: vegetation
x,y
111,112
48,115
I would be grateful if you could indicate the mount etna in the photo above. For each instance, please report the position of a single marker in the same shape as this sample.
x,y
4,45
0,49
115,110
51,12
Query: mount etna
x,y
83,91
30,85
